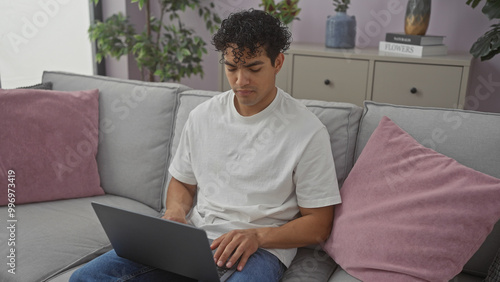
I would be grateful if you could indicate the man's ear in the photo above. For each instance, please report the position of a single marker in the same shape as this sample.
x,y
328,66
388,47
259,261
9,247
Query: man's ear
x,y
278,63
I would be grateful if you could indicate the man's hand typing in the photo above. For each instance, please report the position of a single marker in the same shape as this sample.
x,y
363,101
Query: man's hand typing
x,y
235,245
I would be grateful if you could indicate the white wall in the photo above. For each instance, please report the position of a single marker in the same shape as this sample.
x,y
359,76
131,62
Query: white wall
x,y
38,35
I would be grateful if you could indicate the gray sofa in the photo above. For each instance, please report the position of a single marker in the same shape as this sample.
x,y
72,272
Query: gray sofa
x,y
140,127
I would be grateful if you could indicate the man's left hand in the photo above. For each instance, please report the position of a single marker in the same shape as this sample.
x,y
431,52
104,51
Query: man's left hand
x,y
234,245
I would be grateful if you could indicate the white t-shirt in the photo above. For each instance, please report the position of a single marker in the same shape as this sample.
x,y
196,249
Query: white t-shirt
x,y
255,171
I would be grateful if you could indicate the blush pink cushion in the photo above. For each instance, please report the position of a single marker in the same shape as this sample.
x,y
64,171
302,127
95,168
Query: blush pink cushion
x,y
49,139
409,213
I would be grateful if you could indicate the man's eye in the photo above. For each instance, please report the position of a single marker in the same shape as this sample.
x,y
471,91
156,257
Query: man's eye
x,y
230,69
255,70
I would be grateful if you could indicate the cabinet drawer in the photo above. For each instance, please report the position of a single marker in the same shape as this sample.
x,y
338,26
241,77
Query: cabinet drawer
x,y
417,84
330,79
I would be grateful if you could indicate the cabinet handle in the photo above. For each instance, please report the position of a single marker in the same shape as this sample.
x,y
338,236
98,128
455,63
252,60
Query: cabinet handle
x,y
327,82
413,90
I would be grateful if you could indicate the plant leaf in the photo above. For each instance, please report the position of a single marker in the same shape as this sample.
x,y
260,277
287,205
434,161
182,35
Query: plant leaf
x,y
473,3
488,45
492,9
171,52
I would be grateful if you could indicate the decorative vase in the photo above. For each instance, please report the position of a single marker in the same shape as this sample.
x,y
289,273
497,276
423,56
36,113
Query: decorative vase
x,y
341,31
418,14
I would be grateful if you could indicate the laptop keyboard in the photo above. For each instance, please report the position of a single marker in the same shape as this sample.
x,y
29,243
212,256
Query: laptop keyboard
x,y
222,270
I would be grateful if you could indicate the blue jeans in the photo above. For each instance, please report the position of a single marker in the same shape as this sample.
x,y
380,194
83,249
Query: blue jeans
x,y
262,266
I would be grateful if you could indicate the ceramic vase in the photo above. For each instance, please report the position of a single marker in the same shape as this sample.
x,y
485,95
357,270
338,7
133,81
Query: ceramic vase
x,y
340,31
418,14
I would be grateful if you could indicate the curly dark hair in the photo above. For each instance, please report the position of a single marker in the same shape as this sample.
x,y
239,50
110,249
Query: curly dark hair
x,y
249,30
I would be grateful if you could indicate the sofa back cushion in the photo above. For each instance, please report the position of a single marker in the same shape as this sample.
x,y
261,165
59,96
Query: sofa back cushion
x,y
135,128
471,138
340,119
187,101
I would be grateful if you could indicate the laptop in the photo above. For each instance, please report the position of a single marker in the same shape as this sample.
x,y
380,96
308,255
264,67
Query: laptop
x,y
175,247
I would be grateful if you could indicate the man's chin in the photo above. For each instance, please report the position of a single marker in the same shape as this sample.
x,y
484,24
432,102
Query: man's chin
x,y
246,102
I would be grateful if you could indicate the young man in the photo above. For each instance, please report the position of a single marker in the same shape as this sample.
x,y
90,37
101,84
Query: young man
x,y
258,161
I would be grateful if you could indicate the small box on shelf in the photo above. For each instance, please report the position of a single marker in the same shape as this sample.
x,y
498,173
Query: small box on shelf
x,y
412,50
421,40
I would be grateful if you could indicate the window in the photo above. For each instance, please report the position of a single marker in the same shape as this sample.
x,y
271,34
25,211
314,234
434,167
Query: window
x,y
38,35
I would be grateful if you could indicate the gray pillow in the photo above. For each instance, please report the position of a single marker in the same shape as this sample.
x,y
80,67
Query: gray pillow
x,y
136,120
44,86
310,265
341,121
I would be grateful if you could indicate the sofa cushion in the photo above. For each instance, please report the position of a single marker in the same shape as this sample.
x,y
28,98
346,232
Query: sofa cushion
x,y
187,101
494,270
52,237
469,137
341,276
310,264
340,119
49,144
410,213
65,275
136,122
45,86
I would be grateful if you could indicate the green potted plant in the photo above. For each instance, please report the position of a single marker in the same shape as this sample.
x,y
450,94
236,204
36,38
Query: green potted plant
x,y
286,10
488,45
163,51
341,28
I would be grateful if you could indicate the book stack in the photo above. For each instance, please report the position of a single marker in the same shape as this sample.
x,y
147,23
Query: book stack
x,y
413,45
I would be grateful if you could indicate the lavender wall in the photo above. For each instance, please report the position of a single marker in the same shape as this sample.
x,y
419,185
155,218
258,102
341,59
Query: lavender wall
x,y
461,24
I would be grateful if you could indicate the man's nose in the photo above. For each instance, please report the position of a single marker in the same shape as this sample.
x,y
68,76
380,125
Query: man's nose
x,y
242,78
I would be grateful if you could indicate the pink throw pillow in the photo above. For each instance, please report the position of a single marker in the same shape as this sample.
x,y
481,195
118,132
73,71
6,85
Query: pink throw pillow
x,y
409,213
48,145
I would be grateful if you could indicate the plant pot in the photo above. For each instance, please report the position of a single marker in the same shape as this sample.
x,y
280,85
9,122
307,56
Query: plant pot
x,y
418,14
341,31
